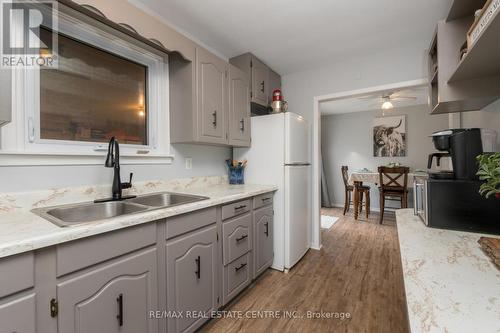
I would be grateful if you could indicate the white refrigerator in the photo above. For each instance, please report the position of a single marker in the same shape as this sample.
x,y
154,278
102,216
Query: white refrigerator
x,y
280,155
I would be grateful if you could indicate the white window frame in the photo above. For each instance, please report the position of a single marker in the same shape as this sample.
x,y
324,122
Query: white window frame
x,y
20,140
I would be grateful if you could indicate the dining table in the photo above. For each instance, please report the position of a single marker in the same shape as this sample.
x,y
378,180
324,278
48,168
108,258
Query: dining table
x,y
357,178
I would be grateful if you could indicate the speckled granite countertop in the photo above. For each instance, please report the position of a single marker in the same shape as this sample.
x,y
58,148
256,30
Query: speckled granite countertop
x,y
451,285
21,230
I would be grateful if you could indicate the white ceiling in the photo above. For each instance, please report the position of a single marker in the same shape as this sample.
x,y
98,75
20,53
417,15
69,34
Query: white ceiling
x,y
293,35
373,101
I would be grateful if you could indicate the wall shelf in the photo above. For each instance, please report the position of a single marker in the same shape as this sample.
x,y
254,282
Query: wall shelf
x,y
483,58
462,8
472,83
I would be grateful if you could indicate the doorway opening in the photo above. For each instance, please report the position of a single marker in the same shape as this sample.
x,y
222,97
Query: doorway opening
x,y
319,102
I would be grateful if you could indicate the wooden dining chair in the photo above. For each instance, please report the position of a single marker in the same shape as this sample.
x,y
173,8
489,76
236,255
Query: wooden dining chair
x,y
349,193
393,186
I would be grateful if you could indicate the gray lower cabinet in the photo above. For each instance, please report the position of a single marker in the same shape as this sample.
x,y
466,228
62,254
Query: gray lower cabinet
x,y
237,237
236,276
237,244
17,314
113,282
17,296
263,248
192,283
115,297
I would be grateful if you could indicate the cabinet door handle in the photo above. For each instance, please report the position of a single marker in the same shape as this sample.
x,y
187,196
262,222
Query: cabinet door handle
x,y
198,269
119,316
239,239
240,267
214,122
262,86
242,125
267,229
265,199
240,207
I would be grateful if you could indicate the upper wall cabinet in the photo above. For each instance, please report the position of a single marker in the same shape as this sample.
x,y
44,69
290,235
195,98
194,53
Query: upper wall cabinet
x,y
216,110
212,110
5,96
260,81
263,80
464,71
239,108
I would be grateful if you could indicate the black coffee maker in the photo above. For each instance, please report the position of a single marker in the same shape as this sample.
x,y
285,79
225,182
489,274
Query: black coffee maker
x,y
442,142
451,199
463,145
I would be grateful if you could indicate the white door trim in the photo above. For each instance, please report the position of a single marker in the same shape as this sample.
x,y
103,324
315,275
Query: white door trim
x,y
316,165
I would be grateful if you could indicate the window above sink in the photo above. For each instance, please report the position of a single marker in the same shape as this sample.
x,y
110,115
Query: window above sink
x,y
104,85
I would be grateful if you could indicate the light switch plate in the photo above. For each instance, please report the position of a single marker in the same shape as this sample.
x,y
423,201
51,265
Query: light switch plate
x,y
189,163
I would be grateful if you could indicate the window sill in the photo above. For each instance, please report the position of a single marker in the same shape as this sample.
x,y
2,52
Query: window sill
x,y
55,159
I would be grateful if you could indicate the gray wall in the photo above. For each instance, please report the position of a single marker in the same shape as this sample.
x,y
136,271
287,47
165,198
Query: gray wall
x,y
207,161
489,117
347,139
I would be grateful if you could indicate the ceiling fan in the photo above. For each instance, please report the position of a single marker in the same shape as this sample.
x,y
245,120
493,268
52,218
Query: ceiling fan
x,y
385,99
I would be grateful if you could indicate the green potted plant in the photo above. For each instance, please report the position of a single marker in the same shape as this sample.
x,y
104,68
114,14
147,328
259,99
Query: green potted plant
x,y
489,172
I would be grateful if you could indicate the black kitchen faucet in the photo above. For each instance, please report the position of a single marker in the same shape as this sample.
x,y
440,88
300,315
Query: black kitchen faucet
x,y
113,161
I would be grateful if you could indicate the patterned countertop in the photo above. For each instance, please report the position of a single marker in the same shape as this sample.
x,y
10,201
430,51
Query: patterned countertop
x,y
21,230
451,285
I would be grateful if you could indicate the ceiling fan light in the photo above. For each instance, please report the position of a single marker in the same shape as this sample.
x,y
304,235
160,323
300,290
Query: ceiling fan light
x,y
387,105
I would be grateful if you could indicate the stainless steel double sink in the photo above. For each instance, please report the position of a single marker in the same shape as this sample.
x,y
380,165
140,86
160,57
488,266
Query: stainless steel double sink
x,y
74,214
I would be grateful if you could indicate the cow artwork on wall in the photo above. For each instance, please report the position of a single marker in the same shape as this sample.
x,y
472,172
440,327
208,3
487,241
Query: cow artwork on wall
x,y
389,136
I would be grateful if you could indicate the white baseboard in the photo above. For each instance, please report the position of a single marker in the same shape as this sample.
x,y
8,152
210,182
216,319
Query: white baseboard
x,y
316,248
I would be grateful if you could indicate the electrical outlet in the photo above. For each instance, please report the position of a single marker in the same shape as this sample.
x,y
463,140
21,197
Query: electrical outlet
x,y
189,163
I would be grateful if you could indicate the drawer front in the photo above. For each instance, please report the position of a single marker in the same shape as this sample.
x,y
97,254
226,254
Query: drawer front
x,y
17,273
18,315
263,200
79,254
236,208
237,237
237,275
182,224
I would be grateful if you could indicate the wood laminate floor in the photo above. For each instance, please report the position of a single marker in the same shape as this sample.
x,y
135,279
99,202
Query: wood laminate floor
x,y
358,271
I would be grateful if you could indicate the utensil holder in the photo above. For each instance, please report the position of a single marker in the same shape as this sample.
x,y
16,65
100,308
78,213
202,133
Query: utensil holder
x,y
236,175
